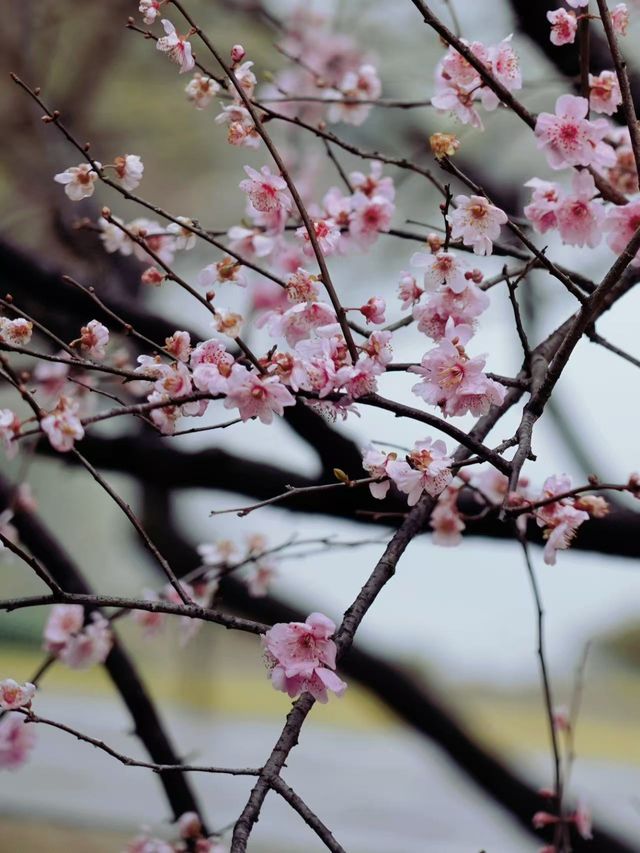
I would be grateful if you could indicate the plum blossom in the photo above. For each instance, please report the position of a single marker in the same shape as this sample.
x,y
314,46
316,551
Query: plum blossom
x,y
9,429
375,462
226,270
201,90
373,310
267,193
259,579
183,230
153,276
17,739
504,64
446,523
564,26
17,332
378,348
177,48
129,169
64,621
477,222
302,287
14,695
327,234
149,9
246,78
620,19
560,519
568,138
462,309
369,216
88,647
542,210
93,340
237,53
580,215
78,181
179,345
604,92
62,426
409,292
441,268
454,381
250,241
425,469
373,184
146,844
361,85
256,396
241,130
621,223
150,622
302,657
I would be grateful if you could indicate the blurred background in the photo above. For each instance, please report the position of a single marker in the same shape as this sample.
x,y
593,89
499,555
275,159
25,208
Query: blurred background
x,y
460,621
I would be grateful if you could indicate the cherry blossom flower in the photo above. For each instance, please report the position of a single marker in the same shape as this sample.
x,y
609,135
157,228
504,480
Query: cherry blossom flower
x,y
408,291
505,66
621,223
373,310
228,322
302,657
327,234
477,222
64,621
226,270
604,92
129,169
361,85
14,695
17,739
201,90
454,381
375,462
241,130
302,287
462,309
94,338
267,193
153,276
256,396
583,822
378,348
559,519
543,208
179,345
237,53
88,647
17,332
260,578
441,268
564,26
150,622
62,426
579,214
149,9
568,138
78,181
370,216
250,242
177,48
620,19
182,229
445,520
9,429
425,469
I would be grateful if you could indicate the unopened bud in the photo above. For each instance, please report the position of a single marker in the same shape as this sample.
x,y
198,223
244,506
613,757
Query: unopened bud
x,y
237,53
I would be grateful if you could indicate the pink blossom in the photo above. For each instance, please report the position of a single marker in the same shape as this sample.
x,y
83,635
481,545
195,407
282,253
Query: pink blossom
x,y
201,90
154,237
425,469
17,739
237,53
445,521
622,223
296,323
62,426
373,310
149,9
583,822
150,622
78,181
604,92
373,184
375,462
370,216
442,269
559,519
327,234
256,396
9,429
477,222
129,169
65,620
94,338
361,85
246,78
461,308
543,207
620,19
458,101
267,193
228,323
504,64
226,270
17,332
408,291
378,348
241,130
540,820
145,844
90,646
570,139
580,215
302,657
153,276
183,230
250,242
302,287
179,345
564,26
14,695
359,379
176,47
260,578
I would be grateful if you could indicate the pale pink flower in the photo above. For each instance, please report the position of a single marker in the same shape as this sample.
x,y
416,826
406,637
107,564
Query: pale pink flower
x,y
373,310
583,822
266,192
201,90
442,269
17,739
260,578
94,338
184,236
176,47
14,695
296,323
146,844
90,646
228,323
237,53
154,237
62,426
461,308
179,345
17,332
256,396
370,216
78,181
543,208
425,469
622,222
504,64
375,462
250,242
150,622
620,19
241,130
302,287
477,222
129,169
65,620
246,78
226,270
559,519
564,26
361,85
445,520
378,348
580,215
327,234
9,429
409,292
570,139
149,9
604,92
153,276
540,820
302,657
373,184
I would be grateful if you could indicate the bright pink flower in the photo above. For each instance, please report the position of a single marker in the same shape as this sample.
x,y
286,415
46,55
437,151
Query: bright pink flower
x,y
570,139
620,19
543,207
425,469
564,26
62,426
153,276
477,222
302,657
17,739
94,338
176,47
373,310
445,520
14,695
267,193
256,396
622,222
9,429
375,462
17,332
580,215
442,269
408,291
604,92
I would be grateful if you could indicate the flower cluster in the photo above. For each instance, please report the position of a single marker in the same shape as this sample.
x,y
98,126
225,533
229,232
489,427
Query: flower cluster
x,y
78,645
191,837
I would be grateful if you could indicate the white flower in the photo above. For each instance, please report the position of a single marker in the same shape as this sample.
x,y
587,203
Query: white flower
x,y
78,180
129,170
